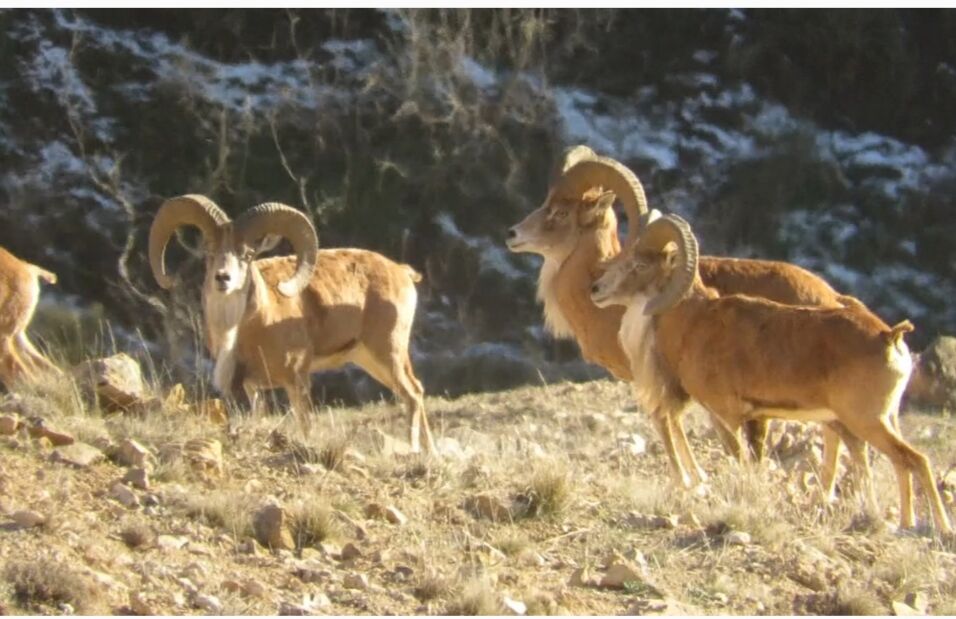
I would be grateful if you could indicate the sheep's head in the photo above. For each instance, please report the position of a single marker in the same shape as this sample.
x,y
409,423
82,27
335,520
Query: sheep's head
x,y
231,246
554,227
659,269
582,193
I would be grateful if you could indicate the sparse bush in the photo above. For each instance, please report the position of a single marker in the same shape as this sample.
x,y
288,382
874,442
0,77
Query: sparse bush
x,y
548,492
44,583
312,522
138,535
431,586
512,543
477,597
230,510
332,454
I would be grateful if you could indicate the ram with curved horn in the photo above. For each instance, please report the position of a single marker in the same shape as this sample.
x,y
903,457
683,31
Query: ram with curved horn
x,y
273,322
743,357
575,230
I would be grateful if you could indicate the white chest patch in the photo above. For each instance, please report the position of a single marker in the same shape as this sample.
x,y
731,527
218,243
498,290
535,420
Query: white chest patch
x,y
637,339
554,320
223,314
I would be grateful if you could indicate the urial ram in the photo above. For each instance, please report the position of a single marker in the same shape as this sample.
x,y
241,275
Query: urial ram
x,y
743,357
272,322
575,230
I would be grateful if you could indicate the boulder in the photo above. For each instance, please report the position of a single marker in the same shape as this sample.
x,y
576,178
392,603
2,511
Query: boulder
x,y
117,382
933,382
271,527
79,455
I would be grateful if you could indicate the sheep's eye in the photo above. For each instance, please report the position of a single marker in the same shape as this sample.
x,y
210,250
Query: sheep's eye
x,y
559,214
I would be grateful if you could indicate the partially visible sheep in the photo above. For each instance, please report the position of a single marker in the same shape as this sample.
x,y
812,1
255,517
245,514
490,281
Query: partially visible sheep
x,y
19,295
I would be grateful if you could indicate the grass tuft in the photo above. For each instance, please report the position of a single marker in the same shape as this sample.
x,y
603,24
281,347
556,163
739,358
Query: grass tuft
x,y
137,535
312,522
477,597
45,583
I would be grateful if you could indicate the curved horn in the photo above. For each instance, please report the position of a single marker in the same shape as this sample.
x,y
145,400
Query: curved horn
x,y
663,231
188,210
287,222
587,170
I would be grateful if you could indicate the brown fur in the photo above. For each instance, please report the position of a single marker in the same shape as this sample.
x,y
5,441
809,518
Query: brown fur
x,y
743,357
19,295
578,237
358,307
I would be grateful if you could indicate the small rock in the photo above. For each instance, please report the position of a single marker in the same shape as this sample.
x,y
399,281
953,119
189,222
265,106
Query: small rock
x,y
389,445
248,547
489,507
171,542
131,453
271,529
208,603
139,605
124,495
137,477
902,609
918,601
647,521
350,551
79,455
9,425
38,430
28,519
204,456
253,588
117,381
737,538
355,581
394,516
515,606
287,609
620,573
635,444
451,448
581,577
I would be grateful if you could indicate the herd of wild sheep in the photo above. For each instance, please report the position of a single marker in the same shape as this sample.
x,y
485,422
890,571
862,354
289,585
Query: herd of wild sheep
x,y
749,340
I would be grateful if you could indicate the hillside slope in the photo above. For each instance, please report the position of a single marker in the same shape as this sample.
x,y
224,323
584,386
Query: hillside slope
x,y
543,493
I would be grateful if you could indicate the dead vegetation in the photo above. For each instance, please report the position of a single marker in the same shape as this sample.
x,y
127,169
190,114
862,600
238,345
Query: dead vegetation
x,y
367,528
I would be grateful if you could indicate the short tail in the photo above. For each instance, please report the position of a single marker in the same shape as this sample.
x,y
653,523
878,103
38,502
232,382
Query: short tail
x,y
851,302
48,276
413,274
895,334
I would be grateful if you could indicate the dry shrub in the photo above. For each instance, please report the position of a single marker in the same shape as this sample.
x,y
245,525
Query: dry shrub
x,y
548,493
312,522
230,510
138,535
477,597
431,586
44,583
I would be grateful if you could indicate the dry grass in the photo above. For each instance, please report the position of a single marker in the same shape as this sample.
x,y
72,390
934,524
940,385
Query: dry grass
x,y
48,585
476,597
577,497
312,522
138,535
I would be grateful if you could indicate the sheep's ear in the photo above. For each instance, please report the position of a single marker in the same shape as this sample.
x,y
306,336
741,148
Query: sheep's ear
x,y
605,201
669,257
594,205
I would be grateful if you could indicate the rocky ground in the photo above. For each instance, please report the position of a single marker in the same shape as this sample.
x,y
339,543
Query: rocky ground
x,y
547,500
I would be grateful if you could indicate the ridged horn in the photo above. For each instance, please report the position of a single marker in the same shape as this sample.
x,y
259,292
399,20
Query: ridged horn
x,y
291,224
671,228
189,210
583,170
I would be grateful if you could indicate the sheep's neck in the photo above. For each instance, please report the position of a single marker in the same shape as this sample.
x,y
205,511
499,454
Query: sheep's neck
x,y
594,328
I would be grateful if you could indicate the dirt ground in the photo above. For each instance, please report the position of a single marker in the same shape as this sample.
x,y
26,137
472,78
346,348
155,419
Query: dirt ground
x,y
547,500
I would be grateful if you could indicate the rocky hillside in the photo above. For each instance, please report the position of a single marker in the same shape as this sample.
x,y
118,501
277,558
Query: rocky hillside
x,y
821,137
547,500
